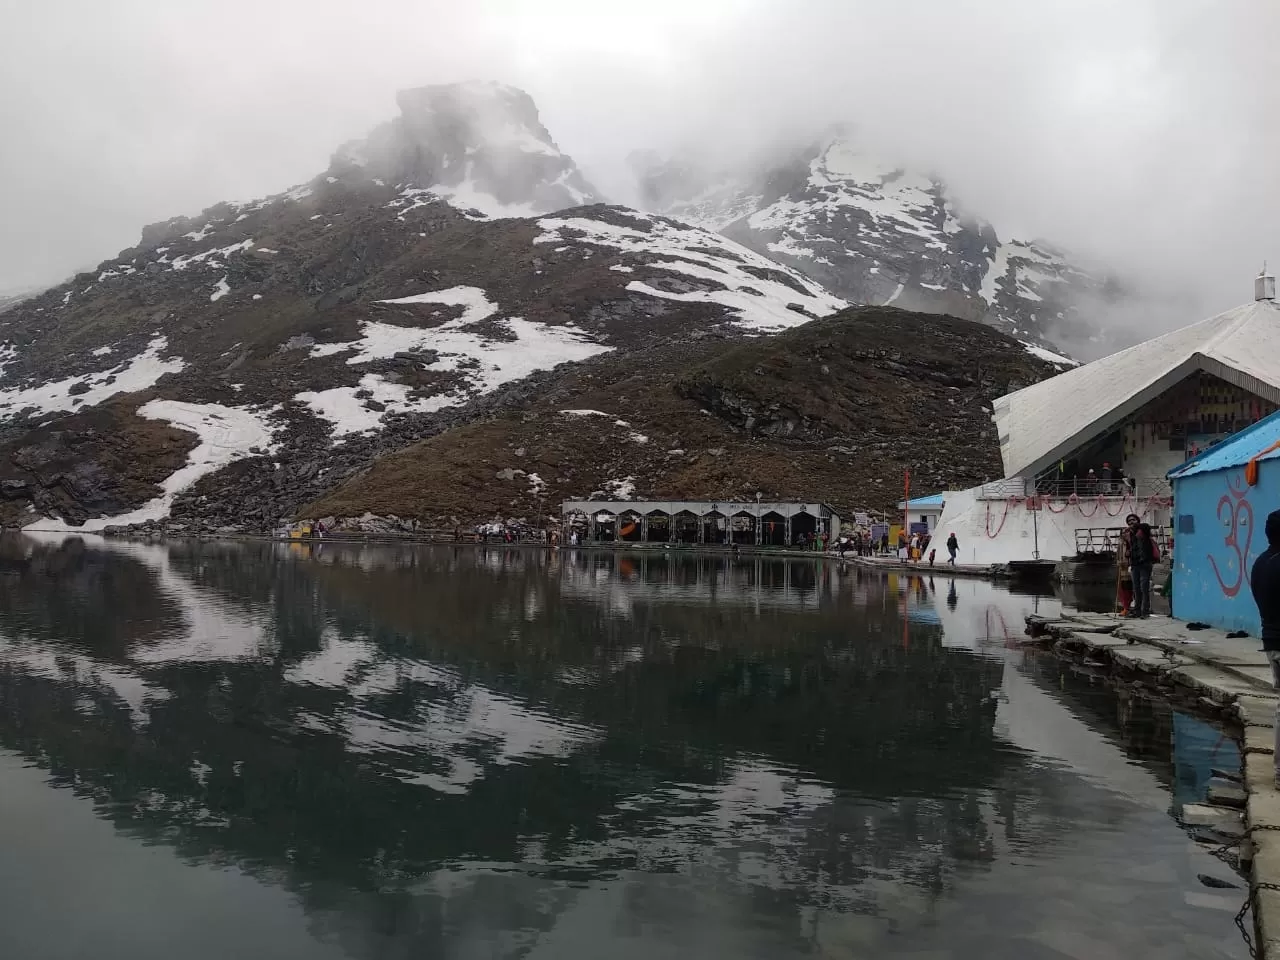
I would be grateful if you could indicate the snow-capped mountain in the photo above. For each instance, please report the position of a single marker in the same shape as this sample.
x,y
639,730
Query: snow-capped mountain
x,y
481,145
873,232
291,339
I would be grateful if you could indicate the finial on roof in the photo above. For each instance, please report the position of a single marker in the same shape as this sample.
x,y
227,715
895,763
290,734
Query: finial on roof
x,y
1264,285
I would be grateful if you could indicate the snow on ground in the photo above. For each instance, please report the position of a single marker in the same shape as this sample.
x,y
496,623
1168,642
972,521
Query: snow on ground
x,y
760,304
896,294
1020,259
536,346
1049,355
632,435
623,489
212,257
716,207
101,351
468,195
226,434
8,352
411,198
220,289
995,273
348,413
119,270
138,373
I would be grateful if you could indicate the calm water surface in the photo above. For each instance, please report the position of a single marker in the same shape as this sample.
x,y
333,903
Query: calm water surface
x,y
380,752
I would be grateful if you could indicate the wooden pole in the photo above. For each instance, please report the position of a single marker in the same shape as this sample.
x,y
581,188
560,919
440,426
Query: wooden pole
x,y
906,505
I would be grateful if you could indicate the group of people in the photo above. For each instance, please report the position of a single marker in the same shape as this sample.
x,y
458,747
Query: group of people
x,y
811,541
914,548
863,544
1108,480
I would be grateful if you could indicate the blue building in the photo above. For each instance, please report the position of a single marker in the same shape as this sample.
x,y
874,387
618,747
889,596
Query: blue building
x,y
924,512
1218,526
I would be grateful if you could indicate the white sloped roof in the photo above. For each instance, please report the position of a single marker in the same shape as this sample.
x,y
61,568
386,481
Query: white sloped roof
x,y
1041,423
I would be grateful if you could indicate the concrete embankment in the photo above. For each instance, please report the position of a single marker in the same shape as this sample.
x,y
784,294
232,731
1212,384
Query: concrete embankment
x,y
1225,676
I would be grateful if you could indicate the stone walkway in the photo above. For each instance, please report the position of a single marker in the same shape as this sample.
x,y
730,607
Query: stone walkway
x,y
939,569
1230,674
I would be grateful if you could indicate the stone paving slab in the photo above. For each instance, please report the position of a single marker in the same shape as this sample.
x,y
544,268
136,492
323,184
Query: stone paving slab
x,y
1260,740
1263,811
1101,640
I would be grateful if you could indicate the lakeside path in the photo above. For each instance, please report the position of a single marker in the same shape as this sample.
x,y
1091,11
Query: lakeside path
x,y
1229,675
894,565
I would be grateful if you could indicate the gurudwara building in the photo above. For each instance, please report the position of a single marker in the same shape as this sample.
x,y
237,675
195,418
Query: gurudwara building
x,y
1131,418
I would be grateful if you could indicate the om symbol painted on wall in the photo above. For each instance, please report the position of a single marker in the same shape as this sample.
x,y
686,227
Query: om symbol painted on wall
x,y
1235,513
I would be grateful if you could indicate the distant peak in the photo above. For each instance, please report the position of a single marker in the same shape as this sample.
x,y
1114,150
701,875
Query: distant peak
x,y
479,144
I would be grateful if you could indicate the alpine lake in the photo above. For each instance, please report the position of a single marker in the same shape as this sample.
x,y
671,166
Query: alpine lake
x,y
385,752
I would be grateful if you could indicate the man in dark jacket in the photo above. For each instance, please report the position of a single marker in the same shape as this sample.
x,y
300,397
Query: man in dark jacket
x,y
1265,581
1141,550
953,547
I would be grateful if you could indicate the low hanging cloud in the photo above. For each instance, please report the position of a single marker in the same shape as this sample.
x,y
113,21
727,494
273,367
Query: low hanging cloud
x,y
1141,136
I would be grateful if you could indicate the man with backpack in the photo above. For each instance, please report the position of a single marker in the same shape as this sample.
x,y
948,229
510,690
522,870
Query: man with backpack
x,y
1142,554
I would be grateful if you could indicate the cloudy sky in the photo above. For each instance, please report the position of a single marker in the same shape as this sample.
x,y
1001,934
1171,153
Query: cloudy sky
x,y
1142,134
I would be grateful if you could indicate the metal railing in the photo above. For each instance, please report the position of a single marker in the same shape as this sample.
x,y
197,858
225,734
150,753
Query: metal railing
x,y
1106,540
1081,488
1093,487
1014,487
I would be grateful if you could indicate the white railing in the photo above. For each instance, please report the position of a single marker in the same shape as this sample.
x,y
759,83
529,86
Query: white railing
x,y
1017,488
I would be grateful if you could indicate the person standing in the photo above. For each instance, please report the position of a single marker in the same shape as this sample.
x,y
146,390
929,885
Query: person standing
x,y
953,547
1264,581
1142,555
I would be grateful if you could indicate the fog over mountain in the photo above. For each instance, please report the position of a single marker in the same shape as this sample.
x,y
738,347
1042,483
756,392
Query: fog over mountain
x,y
1142,137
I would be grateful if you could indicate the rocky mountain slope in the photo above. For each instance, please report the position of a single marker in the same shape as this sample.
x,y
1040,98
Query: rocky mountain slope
x,y
833,410
873,232
452,276
304,333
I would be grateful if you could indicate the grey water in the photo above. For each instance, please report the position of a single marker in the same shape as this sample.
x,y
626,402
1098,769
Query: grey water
x,y
287,751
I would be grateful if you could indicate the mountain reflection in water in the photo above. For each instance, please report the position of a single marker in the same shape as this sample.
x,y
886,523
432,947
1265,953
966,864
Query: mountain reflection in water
x,y
389,751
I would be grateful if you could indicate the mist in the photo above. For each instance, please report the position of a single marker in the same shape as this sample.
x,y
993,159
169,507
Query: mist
x,y
1141,137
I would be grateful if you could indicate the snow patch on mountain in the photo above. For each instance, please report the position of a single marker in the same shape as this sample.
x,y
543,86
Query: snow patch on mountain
x,y
138,373
521,348
761,292
213,258
842,177
1049,355
227,434
347,407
